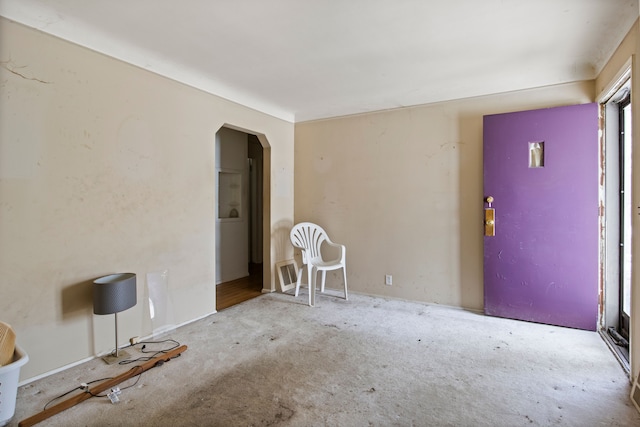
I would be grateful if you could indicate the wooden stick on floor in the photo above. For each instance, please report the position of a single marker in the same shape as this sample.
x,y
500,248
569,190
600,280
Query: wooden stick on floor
x,y
106,385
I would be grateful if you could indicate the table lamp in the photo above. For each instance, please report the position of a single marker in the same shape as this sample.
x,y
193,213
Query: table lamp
x,y
111,295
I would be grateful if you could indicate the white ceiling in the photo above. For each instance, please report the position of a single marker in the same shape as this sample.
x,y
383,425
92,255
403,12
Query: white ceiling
x,y
302,59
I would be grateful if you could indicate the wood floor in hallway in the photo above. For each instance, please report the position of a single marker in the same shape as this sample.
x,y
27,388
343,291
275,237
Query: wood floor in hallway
x,y
239,290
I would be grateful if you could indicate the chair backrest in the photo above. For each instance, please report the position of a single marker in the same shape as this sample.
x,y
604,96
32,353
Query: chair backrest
x,y
308,237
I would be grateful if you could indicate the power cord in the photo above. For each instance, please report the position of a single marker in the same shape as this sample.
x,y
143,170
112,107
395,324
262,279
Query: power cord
x,y
138,376
153,353
143,349
82,386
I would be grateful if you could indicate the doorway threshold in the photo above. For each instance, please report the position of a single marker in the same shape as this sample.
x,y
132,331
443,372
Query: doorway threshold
x,y
621,353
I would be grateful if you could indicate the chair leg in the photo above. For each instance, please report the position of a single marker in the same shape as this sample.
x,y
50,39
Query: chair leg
x,y
299,280
312,285
344,273
324,277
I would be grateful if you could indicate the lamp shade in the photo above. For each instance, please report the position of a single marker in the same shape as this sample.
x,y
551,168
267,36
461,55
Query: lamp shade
x,y
114,293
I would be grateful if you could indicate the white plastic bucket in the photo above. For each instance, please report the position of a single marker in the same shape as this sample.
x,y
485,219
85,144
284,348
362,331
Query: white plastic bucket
x,y
9,375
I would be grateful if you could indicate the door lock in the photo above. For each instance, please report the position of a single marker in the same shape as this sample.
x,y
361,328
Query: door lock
x,y
489,218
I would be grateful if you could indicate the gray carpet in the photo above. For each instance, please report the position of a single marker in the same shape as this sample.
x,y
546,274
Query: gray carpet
x,y
364,362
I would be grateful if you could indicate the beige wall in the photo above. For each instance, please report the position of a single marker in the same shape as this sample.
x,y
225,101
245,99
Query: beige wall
x,y
629,49
108,168
402,189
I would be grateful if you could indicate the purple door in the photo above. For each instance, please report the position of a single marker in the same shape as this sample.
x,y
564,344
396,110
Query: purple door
x,y
541,168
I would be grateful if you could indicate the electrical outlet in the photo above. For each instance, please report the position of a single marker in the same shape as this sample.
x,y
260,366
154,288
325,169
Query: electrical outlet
x,y
388,280
134,340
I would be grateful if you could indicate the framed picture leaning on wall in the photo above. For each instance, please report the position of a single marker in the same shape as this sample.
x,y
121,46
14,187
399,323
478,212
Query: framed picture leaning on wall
x,y
288,274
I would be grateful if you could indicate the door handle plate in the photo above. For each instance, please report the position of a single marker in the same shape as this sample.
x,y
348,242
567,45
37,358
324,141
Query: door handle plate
x,y
489,222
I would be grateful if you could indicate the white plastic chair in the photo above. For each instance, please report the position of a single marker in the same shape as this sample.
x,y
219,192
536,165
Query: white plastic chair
x,y
309,238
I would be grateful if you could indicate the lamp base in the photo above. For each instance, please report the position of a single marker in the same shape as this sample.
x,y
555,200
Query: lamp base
x,y
112,359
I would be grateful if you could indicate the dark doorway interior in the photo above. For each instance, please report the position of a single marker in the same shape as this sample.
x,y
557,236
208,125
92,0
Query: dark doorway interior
x,y
240,290
235,290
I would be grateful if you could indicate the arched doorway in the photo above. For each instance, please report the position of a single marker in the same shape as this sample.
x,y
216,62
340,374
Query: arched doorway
x,y
241,215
